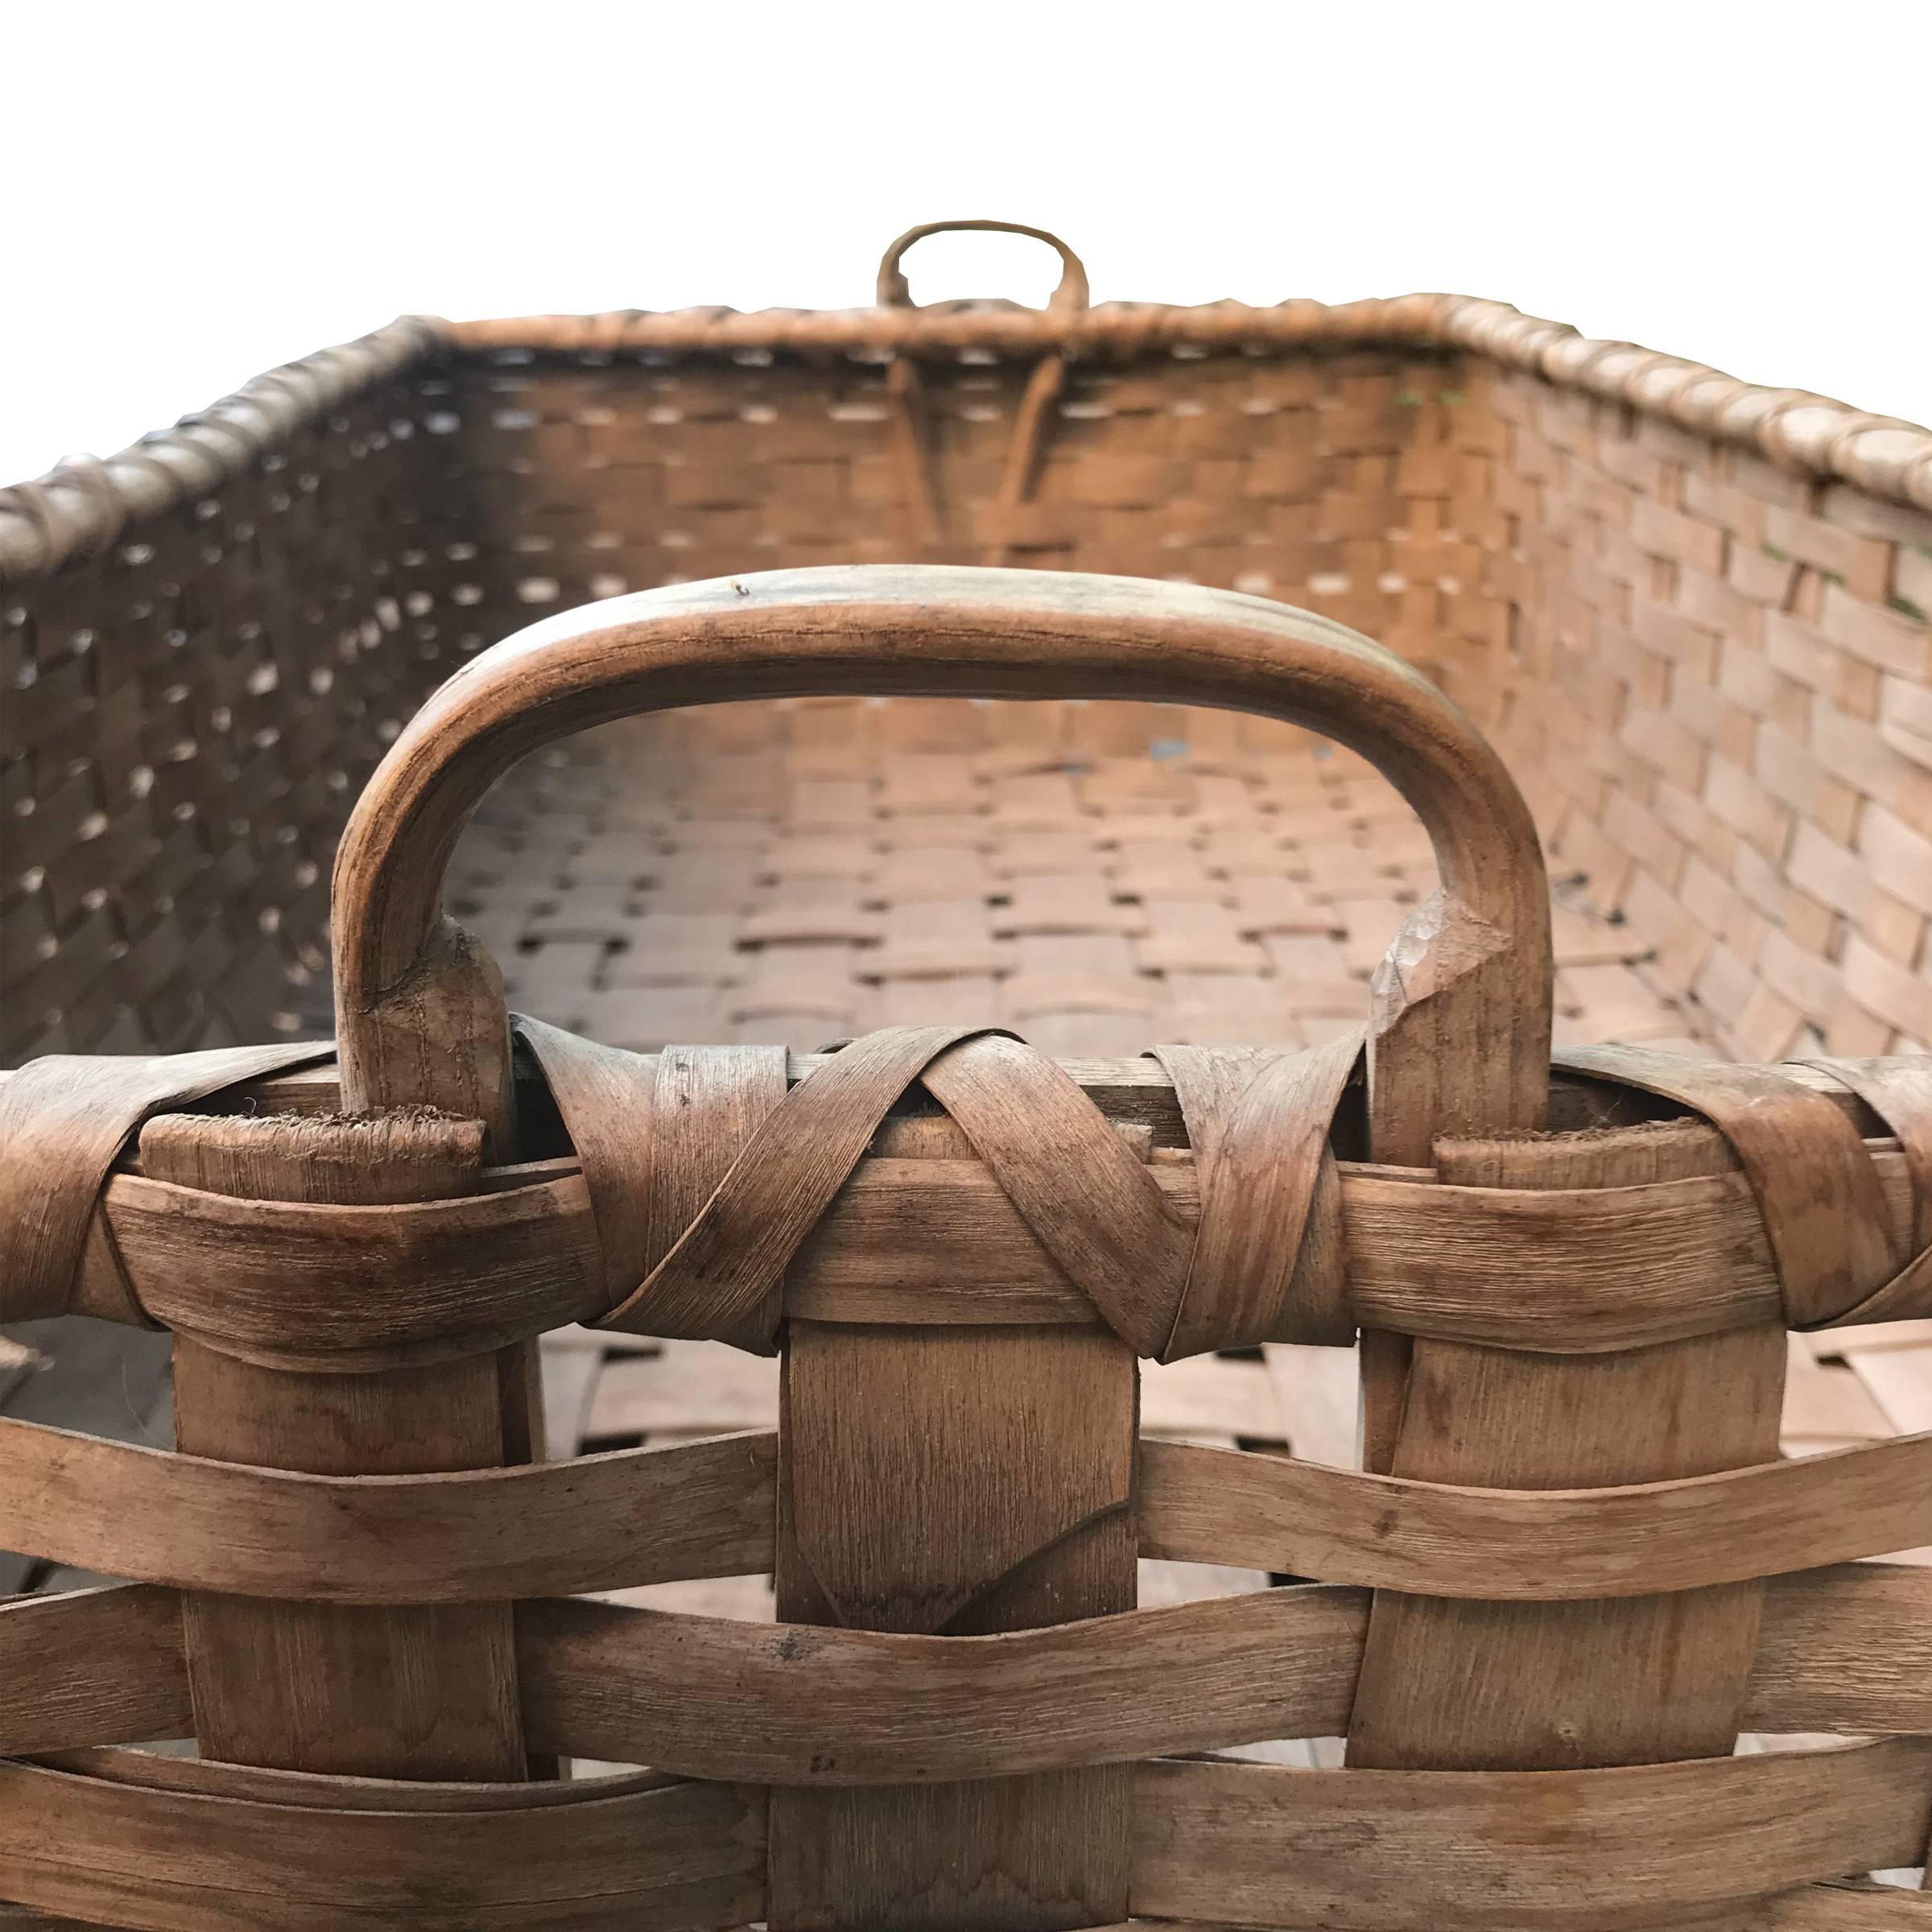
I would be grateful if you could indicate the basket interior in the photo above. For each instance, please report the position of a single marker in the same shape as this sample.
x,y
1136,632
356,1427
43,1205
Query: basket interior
x,y
1706,671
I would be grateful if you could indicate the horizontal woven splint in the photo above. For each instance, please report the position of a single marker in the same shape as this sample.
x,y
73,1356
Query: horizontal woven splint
x,y
1569,1573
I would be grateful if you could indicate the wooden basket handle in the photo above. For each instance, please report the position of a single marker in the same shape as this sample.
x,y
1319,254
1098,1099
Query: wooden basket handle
x,y
893,293
1460,1038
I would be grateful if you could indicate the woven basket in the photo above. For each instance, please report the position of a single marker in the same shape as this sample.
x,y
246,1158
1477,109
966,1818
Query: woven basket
x,y
1692,613
1568,1572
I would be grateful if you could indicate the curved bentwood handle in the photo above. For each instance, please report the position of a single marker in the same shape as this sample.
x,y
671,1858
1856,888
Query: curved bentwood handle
x,y
893,293
1459,1023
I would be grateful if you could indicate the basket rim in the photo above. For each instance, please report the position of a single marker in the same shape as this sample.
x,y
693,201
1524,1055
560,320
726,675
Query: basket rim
x,y
85,503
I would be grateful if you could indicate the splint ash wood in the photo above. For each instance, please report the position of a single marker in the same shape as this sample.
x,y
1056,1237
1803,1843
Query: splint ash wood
x,y
1571,1571
335,1538
286,1682
708,1697
919,1237
1692,613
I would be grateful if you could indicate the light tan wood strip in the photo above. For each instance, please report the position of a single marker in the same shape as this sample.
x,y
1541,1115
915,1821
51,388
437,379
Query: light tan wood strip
x,y
1847,1650
683,1389
1267,1513
696,1509
1826,1405
1852,1906
1901,1382
598,1523
92,1667
571,1369
1209,1398
1318,1394
785,1705
1611,1850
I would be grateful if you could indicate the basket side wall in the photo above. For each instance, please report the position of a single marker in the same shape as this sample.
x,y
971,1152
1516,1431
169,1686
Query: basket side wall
x,y
1710,674
1325,480
189,714
1716,683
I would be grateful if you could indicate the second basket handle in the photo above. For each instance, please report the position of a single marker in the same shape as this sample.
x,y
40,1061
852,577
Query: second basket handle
x,y
914,430
1460,1031
893,293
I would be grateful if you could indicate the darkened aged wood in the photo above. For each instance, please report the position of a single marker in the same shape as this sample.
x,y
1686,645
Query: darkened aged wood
x,y
1495,1686
167,1844
1137,1091
392,1692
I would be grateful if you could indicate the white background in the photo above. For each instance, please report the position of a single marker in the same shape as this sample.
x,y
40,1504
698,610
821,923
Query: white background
x,y
194,193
